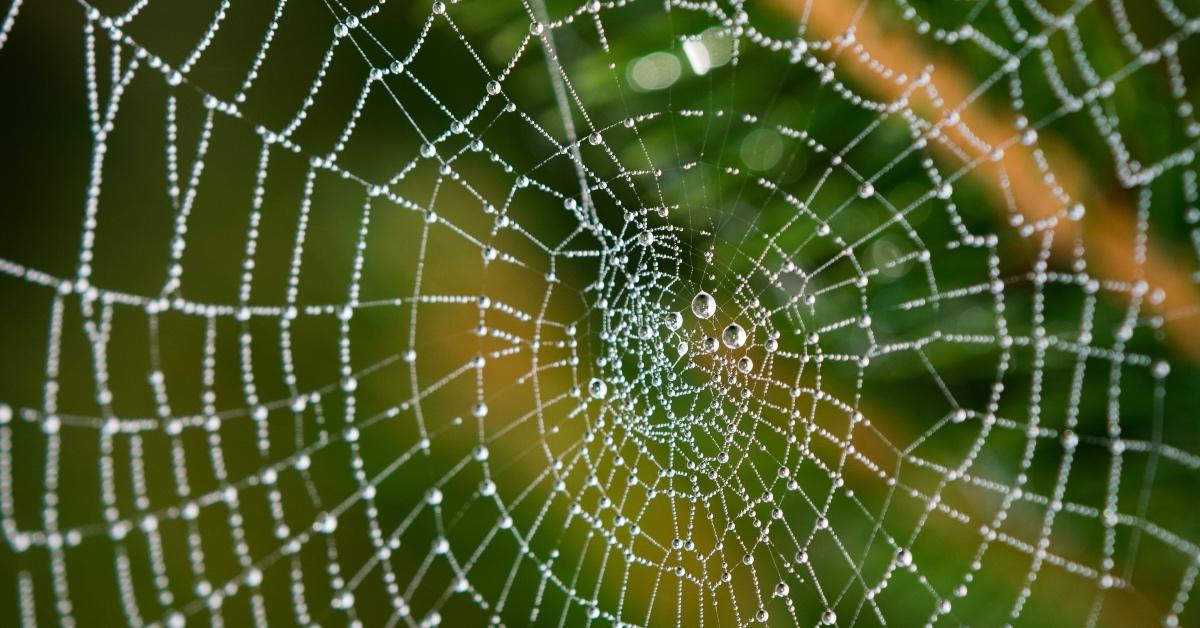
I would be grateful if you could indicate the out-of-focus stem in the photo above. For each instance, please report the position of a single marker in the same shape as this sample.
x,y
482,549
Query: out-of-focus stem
x,y
1109,228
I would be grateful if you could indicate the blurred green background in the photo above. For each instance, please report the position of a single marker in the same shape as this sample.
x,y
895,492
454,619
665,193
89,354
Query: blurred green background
x,y
722,231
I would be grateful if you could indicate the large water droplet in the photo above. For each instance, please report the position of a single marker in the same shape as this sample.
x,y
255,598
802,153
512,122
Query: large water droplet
x,y
745,364
673,320
597,388
734,336
704,305
709,344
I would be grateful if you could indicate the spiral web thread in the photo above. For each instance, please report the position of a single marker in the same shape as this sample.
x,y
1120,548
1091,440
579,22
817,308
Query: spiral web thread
x,y
659,411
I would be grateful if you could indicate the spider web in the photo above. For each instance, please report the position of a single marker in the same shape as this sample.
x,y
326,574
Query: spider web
x,y
624,312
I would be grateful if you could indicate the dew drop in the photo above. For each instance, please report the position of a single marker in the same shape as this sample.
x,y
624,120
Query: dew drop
x,y
734,336
866,190
745,364
673,321
493,88
1161,369
597,388
704,305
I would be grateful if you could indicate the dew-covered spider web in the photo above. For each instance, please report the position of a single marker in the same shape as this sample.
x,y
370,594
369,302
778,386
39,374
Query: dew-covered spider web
x,y
621,312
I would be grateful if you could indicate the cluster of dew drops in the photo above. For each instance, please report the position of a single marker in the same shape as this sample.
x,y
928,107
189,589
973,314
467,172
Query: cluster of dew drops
x,y
703,307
